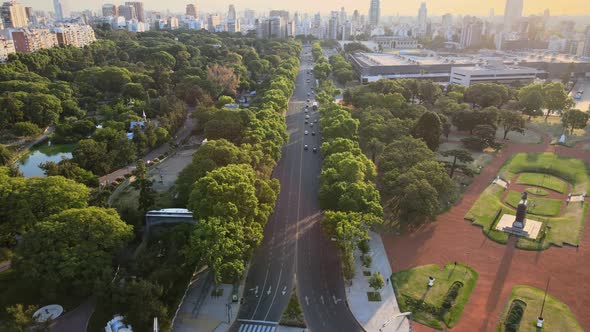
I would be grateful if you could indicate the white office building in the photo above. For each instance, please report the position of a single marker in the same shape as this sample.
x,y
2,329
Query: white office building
x,y
502,74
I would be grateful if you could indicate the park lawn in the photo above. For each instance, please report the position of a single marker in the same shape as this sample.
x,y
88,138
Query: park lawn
x,y
485,210
565,229
543,180
413,284
571,170
557,315
537,191
535,205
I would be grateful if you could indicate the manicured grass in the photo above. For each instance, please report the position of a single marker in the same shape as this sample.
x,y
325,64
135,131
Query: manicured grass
x,y
535,205
543,180
411,287
571,170
556,314
374,296
537,191
485,210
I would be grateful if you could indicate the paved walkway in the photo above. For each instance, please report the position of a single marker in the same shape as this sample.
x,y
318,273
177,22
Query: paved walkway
x,y
75,320
372,315
500,267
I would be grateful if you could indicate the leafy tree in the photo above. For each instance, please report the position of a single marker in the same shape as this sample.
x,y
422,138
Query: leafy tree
x,y
510,121
5,155
26,129
21,318
92,155
70,170
574,119
403,154
71,249
140,300
147,195
459,155
484,137
531,100
428,92
487,94
555,98
376,281
429,128
224,79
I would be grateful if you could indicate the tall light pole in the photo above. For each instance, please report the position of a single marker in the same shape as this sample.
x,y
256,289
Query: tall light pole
x,y
541,320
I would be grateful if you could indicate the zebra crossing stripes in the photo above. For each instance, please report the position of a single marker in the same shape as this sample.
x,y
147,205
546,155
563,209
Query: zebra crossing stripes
x,y
256,328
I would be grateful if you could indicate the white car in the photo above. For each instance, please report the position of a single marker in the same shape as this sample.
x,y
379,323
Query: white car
x,y
311,124
307,116
306,132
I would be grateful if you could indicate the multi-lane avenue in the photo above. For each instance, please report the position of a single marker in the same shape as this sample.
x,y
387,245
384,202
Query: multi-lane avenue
x,y
294,249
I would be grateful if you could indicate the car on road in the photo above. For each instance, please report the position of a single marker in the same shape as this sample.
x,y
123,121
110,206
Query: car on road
x,y
313,133
305,147
316,120
307,116
306,110
308,100
306,122
315,150
578,96
306,132
311,124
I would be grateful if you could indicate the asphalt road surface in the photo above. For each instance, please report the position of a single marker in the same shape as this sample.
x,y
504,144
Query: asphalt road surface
x,y
293,244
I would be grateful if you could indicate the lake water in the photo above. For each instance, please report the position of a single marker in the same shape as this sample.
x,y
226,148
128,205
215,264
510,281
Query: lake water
x,y
41,153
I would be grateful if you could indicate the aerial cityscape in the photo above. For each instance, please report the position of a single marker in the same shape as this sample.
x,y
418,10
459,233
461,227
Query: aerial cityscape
x,y
257,166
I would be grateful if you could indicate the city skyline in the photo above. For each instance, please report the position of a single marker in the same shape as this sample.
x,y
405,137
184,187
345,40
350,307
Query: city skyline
x,y
407,8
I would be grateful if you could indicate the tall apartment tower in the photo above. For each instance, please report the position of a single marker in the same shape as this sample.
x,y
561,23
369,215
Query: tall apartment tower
x,y
471,32
191,10
108,9
422,16
138,9
374,13
231,13
512,13
59,10
586,51
14,15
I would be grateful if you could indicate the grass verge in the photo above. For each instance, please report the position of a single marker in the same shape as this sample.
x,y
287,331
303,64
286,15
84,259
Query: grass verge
x,y
293,315
427,304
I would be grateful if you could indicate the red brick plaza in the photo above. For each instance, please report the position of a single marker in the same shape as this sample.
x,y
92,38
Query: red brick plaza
x,y
500,267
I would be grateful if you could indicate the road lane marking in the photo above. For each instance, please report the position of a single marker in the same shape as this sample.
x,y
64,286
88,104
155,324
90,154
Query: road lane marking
x,y
322,299
269,289
306,300
284,290
260,298
273,298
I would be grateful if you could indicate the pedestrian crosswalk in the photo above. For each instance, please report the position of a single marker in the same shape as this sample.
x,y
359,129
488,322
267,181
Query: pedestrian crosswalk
x,y
252,327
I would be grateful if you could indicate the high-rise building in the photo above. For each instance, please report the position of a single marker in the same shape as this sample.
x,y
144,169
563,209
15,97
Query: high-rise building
x,y
138,5
29,13
31,40
283,14
343,16
491,14
586,50
422,17
231,13
512,13
213,22
6,48
272,27
14,15
128,12
333,26
374,13
471,32
74,34
57,7
109,9
191,10
250,16
447,22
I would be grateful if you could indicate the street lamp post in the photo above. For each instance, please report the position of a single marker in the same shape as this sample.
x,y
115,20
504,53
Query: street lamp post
x,y
540,320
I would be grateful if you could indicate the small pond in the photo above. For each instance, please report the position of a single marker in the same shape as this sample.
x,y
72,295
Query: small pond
x,y
41,153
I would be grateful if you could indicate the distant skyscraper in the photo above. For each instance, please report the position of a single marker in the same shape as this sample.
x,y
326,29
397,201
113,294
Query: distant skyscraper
x,y
343,15
128,12
14,15
57,7
231,13
109,9
191,10
374,13
512,13
213,22
471,32
586,51
492,14
138,9
422,16
447,26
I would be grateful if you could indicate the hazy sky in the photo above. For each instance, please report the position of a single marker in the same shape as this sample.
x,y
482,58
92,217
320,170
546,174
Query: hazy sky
x,y
388,7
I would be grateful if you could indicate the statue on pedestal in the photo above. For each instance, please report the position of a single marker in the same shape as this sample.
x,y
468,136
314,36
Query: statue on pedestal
x,y
520,220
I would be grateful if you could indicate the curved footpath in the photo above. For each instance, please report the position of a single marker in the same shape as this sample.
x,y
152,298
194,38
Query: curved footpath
x,y
500,267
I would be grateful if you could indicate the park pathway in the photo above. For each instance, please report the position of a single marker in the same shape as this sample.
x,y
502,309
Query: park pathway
x,y
500,267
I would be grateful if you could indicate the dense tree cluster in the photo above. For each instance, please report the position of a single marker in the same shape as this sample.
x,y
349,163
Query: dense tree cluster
x,y
341,69
348,194
228,185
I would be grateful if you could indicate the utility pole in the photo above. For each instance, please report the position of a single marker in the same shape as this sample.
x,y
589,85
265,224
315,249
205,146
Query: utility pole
x,y
541,320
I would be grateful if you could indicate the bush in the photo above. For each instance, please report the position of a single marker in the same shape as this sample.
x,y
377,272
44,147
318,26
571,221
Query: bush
x,y
367,260
514,316
364,247
451,296
26,129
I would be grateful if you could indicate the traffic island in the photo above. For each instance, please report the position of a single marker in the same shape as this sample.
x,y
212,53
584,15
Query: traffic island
x,y
293,315
524,307
436,297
